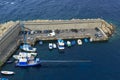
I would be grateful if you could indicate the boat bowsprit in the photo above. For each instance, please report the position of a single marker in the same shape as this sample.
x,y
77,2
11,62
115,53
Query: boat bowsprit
x,y
7,72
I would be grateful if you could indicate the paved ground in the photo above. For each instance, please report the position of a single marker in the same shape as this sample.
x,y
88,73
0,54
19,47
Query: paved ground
x,y
67,34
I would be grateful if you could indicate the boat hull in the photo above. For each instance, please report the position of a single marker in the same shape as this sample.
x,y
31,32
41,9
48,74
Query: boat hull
x,y
7,72
27,50
28,65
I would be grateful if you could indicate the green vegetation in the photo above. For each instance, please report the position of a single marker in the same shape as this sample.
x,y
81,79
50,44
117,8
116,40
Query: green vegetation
x,y
1,63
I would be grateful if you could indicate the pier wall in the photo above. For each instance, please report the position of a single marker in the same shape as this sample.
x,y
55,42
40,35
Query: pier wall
x,y
8,42
86,28
63,24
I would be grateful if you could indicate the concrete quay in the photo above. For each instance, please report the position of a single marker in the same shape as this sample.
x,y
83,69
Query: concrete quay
x,y
11,38
9,42
97,29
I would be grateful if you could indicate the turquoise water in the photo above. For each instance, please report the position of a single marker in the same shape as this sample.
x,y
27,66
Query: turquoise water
x,y
104,57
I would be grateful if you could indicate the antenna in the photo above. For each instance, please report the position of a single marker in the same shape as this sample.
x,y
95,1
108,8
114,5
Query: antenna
x,y
23,30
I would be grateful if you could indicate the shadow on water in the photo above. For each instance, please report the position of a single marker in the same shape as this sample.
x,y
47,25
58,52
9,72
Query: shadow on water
x,y
62,65
38,66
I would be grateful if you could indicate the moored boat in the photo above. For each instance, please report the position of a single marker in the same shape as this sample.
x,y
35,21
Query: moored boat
x,y
68,43
73,42
79,41
50,46
61,44
91,39
86,40
54,45
8,62
41,42
25,55
7,72
27,63
28,48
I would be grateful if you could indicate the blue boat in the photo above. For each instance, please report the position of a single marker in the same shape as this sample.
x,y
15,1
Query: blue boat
x,y
73,42
86,40
27,63
4,79
41,42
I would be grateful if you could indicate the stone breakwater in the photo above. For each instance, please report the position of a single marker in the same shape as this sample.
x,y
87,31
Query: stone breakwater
x,y
11,37
97,29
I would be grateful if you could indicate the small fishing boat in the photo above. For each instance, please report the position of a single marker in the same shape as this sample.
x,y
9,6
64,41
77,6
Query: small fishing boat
x,y
41,42
7,72
29,57
86,40
27,48
61,44
3,78
8,62
27,63
73,42
68,43
54,45
50,46
79,41
25,55
91,39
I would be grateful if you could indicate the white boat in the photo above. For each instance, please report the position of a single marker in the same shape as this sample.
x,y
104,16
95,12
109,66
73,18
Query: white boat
x,y
54,45
25,55
28,48
7,72
52,33
61,44
19,57
79,41
50,46
68,43
91,39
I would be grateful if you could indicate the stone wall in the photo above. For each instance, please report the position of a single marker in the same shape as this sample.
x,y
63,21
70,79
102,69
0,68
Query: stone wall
x,y
62,24
7,40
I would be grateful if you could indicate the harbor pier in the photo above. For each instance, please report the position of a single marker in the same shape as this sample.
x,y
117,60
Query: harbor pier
x,y
96,29
11,35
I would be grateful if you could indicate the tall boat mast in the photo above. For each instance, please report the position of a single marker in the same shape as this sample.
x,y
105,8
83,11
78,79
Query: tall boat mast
x,y
23,30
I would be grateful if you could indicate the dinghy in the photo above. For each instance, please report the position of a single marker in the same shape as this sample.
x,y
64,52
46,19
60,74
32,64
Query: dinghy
x,y
7,72
79,41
